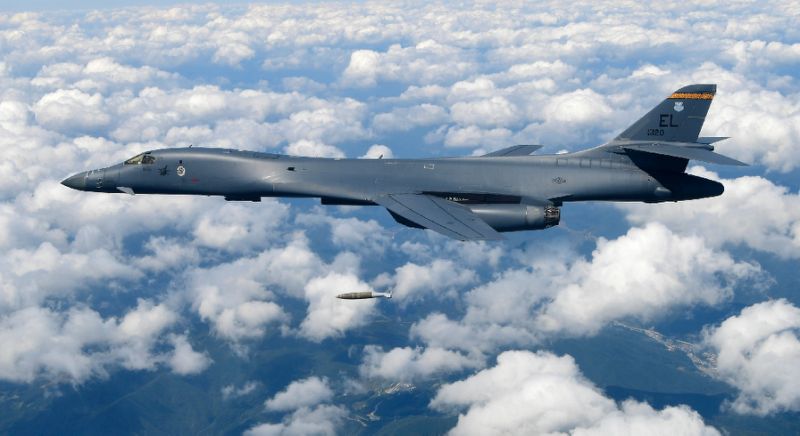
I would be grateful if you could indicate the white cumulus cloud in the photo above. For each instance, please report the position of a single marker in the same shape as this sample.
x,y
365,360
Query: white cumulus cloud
x,y
541,393
440,277
306,399
581,106
321,420
71,111
184,359
758,352
378,151
362,71
407,118
75,345
231,391
236,227
305,147
767,215
495,111
406,363
328,316
642,274
301,393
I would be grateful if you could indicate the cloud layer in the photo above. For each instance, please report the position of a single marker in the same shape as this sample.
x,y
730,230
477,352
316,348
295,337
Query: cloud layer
x,y
641,275
758,352
754,212
541,393
78,344
310,415
92,88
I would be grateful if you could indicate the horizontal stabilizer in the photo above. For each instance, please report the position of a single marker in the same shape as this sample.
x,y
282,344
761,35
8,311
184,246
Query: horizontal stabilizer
x,y
440,215
516,150
693,153
711,139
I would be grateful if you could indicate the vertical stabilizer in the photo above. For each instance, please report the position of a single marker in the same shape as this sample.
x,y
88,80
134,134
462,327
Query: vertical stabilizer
x,y
678,118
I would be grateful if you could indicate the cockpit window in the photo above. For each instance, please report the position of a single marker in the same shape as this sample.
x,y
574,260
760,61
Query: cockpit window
x,y
142,159
136,160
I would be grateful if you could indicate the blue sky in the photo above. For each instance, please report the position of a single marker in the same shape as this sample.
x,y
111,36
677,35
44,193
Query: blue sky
x,y
99,284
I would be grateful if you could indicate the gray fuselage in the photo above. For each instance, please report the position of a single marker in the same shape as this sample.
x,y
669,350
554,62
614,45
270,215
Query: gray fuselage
x,y
246,175
467,198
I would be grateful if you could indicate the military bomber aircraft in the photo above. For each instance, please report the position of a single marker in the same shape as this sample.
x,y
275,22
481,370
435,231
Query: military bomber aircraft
x,y
466,198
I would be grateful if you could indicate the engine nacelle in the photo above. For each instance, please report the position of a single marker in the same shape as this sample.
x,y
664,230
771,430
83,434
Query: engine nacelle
x,y
513,217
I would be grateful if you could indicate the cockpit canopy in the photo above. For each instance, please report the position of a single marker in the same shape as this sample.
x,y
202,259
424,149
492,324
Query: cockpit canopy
x,y
141,159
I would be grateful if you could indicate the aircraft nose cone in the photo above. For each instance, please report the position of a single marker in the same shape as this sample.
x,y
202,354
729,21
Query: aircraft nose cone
x,y
78,181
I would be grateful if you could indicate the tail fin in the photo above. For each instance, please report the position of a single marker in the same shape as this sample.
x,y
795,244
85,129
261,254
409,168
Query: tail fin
x,y
678,118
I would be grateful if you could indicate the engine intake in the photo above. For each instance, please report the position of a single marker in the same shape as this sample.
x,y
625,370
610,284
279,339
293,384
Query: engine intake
x,y
514,217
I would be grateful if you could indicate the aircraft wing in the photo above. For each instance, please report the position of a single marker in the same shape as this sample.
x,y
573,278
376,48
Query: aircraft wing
x,y
516,150
440,215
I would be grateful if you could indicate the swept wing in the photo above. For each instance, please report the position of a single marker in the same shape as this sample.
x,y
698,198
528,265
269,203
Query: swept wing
x,y
516,150
440,215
